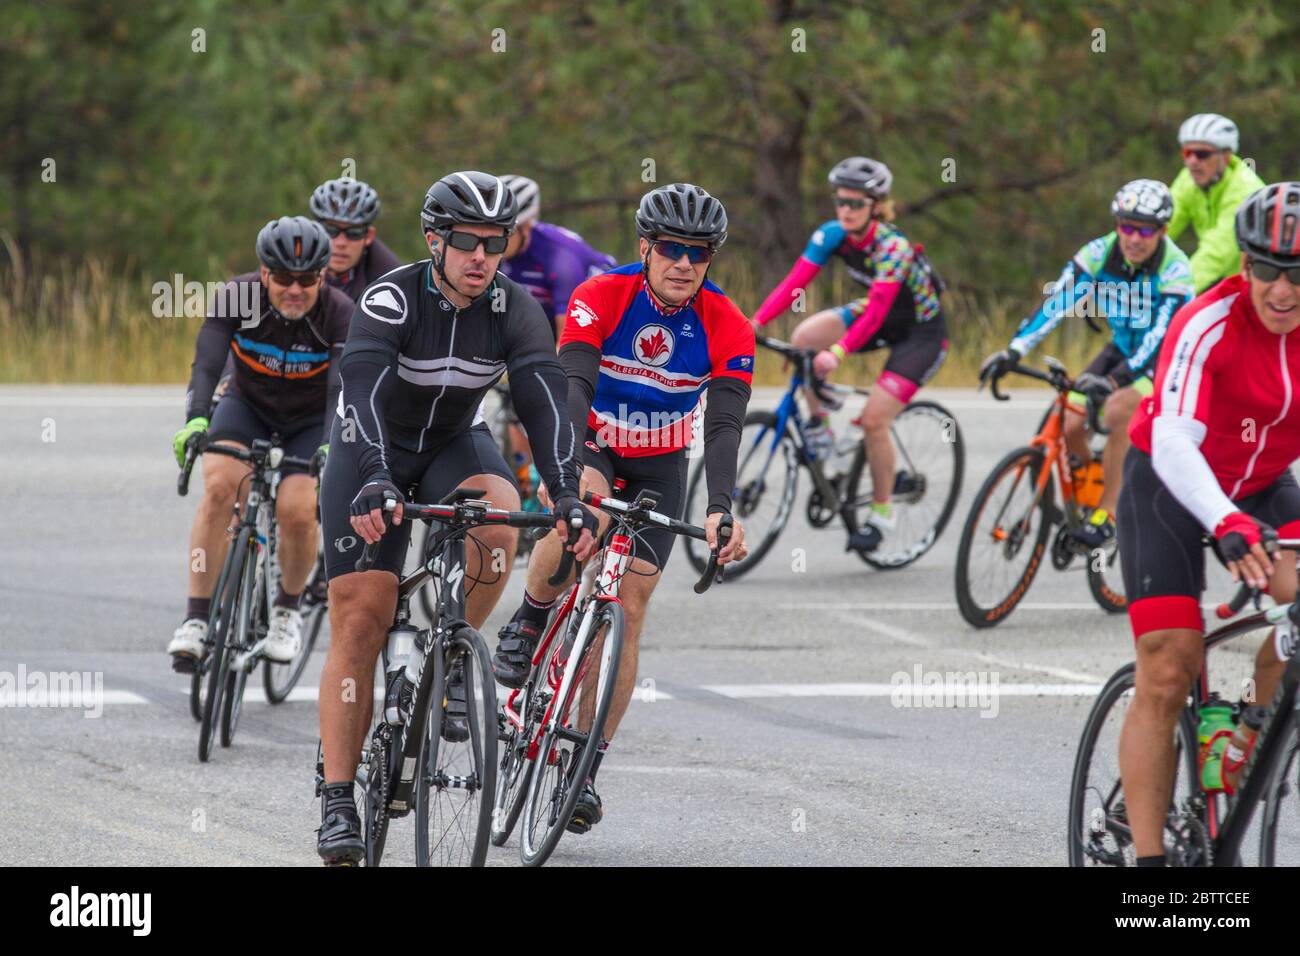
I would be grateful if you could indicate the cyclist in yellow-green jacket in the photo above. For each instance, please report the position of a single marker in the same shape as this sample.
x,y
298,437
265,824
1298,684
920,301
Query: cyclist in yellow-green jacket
x,y
1213,183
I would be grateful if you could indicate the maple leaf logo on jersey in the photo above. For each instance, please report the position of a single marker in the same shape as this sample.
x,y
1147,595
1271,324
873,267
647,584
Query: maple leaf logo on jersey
x,y
654,345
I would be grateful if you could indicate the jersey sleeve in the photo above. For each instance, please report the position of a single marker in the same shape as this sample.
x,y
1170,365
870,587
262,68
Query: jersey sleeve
x,y
821,246
592,314
1182,189
1074,283
895,261
570,271
1172,293
211,350
731,342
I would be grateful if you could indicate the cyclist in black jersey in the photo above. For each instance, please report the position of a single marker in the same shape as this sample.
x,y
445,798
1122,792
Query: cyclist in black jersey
x,y
426,343
285,381
348,208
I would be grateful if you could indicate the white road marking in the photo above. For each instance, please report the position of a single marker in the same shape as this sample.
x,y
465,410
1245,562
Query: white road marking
x,y
1060,672
257,695
891,631
765,691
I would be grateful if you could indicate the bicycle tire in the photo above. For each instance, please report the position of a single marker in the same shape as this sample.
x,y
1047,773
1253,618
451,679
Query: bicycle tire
x,y
200,669
535,852
472,765
1100,582
1030,460
248,613
279,680
697,552
218,658
889,557
1079,818
1283,792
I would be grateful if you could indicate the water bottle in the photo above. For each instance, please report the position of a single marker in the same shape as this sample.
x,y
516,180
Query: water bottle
x,y
401,641
1243,738
414,664
1215,729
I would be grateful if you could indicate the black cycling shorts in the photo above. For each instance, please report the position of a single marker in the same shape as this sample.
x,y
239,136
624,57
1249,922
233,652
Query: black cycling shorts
x,y
426,478
913,360
236,420
1161,548
664,474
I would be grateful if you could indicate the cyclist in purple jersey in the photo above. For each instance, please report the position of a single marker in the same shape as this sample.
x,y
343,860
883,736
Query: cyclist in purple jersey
x,y
548,260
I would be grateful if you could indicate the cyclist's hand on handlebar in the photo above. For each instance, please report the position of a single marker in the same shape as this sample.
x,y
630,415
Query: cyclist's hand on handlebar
x,y
1242,542
193,428
368,518
735,549
1098,388
564,507
997,364
825,362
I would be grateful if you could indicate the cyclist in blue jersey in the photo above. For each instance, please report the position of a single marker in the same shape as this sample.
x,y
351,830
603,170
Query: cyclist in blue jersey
x,y
1137,279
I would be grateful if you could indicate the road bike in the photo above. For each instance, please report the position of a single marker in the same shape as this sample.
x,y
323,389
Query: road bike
x,y
547,749
1201,828
1014,511
774,447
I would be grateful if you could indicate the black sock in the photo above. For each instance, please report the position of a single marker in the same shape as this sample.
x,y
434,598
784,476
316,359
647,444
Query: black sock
x,y
198,608
1157,860
338,797
595,764
534,611
284,599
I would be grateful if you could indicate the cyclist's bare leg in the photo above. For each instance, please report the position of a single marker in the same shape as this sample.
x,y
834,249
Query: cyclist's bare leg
x,y
361,611
488,564
634,591
1168,662
882,408
208,535
1076,435
295,514
819,331
548,552
1115,416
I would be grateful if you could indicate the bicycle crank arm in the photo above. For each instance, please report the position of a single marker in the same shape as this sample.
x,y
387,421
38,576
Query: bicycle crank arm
x,y
247,660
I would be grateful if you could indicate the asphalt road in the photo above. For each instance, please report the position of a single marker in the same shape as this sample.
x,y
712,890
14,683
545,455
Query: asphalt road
x,y
768,739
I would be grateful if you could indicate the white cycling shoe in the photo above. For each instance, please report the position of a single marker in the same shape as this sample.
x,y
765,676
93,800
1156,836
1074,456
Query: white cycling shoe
x,y
284,635
187,647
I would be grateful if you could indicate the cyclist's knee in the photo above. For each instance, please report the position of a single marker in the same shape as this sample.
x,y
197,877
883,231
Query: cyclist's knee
x,y
361,609
296,513
1168,664
1120,408
1074,426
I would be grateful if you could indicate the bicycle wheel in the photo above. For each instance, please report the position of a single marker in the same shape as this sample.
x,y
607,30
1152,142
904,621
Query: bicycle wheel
x,y
1003,539
930,460
1279,843
197,683
250,624
279,680
1105,580
219,655
453,805
565,756
766,479
1099,832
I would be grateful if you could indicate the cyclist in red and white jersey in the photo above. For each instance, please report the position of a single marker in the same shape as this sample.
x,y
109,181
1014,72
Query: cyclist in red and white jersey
x,y
1212,450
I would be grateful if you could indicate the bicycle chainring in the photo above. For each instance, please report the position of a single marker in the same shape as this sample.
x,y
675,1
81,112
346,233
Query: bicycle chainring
x,y
1063,552
1190,843
819,513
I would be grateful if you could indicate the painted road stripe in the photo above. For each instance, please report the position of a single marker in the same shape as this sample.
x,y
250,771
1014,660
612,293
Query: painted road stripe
x,y
257,695
764,691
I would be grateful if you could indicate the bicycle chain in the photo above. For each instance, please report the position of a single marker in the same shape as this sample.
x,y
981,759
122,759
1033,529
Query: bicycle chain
x,y
380,745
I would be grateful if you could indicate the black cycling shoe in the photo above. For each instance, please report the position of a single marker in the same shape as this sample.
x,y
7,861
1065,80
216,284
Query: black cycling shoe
x,y
339,842
906,483
587,812
516,643
1091,536
865,540
455,721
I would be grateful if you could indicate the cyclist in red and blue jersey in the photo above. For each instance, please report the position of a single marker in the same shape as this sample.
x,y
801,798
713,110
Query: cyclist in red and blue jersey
x,y
641,345
900,312
1212,452
548,260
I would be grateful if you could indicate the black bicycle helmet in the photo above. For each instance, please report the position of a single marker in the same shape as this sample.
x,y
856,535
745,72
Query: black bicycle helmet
x,y
683,210
466,198
858,172
1268,223
293,244
345,200
1143,200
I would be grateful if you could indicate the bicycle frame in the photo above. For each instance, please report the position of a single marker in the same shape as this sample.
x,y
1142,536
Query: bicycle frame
x,y
1051,440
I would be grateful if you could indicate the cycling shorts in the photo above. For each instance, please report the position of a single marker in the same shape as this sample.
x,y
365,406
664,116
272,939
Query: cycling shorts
x,y
236,420
664,474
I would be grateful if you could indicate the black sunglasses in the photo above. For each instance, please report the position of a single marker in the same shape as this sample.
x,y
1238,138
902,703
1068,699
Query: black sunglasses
x,y
352,232
468,242
850,203
675,250
1268,272
304,279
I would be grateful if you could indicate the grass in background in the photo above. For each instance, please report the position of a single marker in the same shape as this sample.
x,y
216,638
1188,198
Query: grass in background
x,y
86,322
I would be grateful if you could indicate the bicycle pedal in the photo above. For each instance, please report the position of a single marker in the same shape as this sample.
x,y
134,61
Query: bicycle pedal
x,y
184,664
